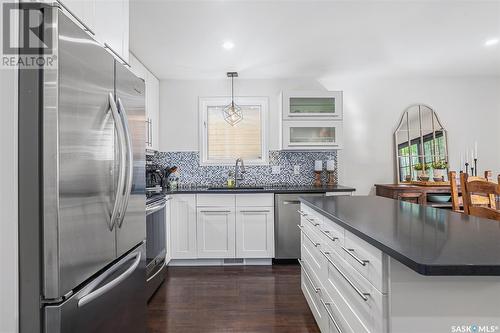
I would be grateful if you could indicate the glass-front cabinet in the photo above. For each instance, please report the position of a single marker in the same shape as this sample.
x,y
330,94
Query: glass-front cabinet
x,y
316,135
316,105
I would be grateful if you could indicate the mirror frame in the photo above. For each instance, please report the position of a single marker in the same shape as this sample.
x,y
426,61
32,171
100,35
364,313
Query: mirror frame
x,y
403,118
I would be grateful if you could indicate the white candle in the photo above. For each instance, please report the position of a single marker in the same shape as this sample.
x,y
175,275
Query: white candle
x,y
330,165
472,155
461,161
467,155
318,165
475,150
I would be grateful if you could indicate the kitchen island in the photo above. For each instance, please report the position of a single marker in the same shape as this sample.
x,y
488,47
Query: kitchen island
x,y
372,264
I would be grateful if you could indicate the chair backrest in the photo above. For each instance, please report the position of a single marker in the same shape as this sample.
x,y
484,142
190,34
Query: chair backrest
x,y
472,187
456,198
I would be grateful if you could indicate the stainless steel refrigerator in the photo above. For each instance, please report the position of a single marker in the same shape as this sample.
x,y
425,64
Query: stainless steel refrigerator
x,y
82,224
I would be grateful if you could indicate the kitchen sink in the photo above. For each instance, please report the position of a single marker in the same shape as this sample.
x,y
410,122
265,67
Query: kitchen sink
x,y
225,188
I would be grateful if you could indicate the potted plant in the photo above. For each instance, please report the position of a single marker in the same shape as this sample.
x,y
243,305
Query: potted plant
x,y
422,171
439,169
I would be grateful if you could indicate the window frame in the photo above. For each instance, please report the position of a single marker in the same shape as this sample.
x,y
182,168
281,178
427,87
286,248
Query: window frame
x,y
206,102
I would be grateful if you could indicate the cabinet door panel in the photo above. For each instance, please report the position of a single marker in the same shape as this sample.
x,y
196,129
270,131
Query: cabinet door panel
x,y
83,9
183,226
215,232
255,232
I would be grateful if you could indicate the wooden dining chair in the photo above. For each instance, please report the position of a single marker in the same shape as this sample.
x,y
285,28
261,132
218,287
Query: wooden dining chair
x,y
456,197
486,190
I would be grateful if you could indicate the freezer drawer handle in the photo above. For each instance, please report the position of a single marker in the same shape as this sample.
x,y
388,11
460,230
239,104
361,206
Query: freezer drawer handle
x,y
291,202
123,159
359,260
94,294
129,163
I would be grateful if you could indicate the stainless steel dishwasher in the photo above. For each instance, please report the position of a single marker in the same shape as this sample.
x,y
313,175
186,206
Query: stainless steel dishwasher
x,y
286,219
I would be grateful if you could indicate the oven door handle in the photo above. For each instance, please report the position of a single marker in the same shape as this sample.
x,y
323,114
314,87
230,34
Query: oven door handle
x,y
156,207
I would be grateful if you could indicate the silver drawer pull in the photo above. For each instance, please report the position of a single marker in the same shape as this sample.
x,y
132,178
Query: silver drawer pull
x,y
215,211
327,234
302,229
351,253
301,262
332,318
301,213
255,211
291,202
361,294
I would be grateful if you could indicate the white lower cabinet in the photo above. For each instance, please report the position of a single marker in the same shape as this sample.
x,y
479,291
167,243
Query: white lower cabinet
x,y
255,232
222,226
215,232
183,226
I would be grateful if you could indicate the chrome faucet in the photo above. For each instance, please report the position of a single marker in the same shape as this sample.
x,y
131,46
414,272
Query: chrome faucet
x,y
238,175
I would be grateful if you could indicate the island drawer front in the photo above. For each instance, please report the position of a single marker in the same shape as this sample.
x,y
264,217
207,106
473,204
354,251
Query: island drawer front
x,y
369,261
215,200
260,200
339,323
313,299
332,234
313,260
356,297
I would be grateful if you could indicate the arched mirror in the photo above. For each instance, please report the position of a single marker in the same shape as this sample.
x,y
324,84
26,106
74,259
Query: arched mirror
x,y
421,146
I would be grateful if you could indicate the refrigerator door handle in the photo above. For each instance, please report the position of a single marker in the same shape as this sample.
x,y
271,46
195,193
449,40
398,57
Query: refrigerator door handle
x,y
121,173
130,163
92,294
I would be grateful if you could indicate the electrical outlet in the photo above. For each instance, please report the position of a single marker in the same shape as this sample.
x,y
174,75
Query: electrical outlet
x,y
296,169
276,169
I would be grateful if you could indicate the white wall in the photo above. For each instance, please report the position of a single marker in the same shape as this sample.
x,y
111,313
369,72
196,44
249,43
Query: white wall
x,y
179,106
468,107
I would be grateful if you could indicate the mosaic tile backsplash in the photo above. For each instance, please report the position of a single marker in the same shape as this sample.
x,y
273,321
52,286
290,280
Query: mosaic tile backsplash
x,y
192,173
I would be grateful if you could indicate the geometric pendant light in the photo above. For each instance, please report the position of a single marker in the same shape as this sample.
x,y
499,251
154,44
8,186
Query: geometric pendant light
x,y
232,113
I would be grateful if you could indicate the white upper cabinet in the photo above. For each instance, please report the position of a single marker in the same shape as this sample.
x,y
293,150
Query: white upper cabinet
x,y
84,10
152,101
311,120
108,20
112,25
316,105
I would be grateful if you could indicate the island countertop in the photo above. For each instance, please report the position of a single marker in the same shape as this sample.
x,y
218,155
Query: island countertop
x,y
428,240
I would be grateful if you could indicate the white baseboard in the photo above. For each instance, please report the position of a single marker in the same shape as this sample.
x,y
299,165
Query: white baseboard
x,y
220,262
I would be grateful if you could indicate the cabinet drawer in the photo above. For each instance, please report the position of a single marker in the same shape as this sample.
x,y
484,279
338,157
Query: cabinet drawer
x,y
315,264
369,261
215,200
312,294
363,306
248,200
337,323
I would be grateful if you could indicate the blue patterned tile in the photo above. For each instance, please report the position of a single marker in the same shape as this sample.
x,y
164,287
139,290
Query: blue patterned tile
x,y
192,173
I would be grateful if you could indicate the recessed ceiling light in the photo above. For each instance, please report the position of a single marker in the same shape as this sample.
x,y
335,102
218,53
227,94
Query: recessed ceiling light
x,y
228,45
491,42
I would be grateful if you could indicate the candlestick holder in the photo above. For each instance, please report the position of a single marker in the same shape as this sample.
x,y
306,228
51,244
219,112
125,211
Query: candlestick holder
x,y
475,166
317,180
467,167
472,171
331,179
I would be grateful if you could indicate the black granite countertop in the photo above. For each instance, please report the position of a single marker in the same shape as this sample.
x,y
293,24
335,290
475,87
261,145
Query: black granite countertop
x,y
263,189
428,240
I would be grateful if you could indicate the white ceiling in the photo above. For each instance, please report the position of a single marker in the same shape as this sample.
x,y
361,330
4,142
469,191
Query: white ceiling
x,y
315,39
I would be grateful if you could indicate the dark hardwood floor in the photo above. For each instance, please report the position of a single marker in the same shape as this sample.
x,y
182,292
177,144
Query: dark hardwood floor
x,y
231,299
